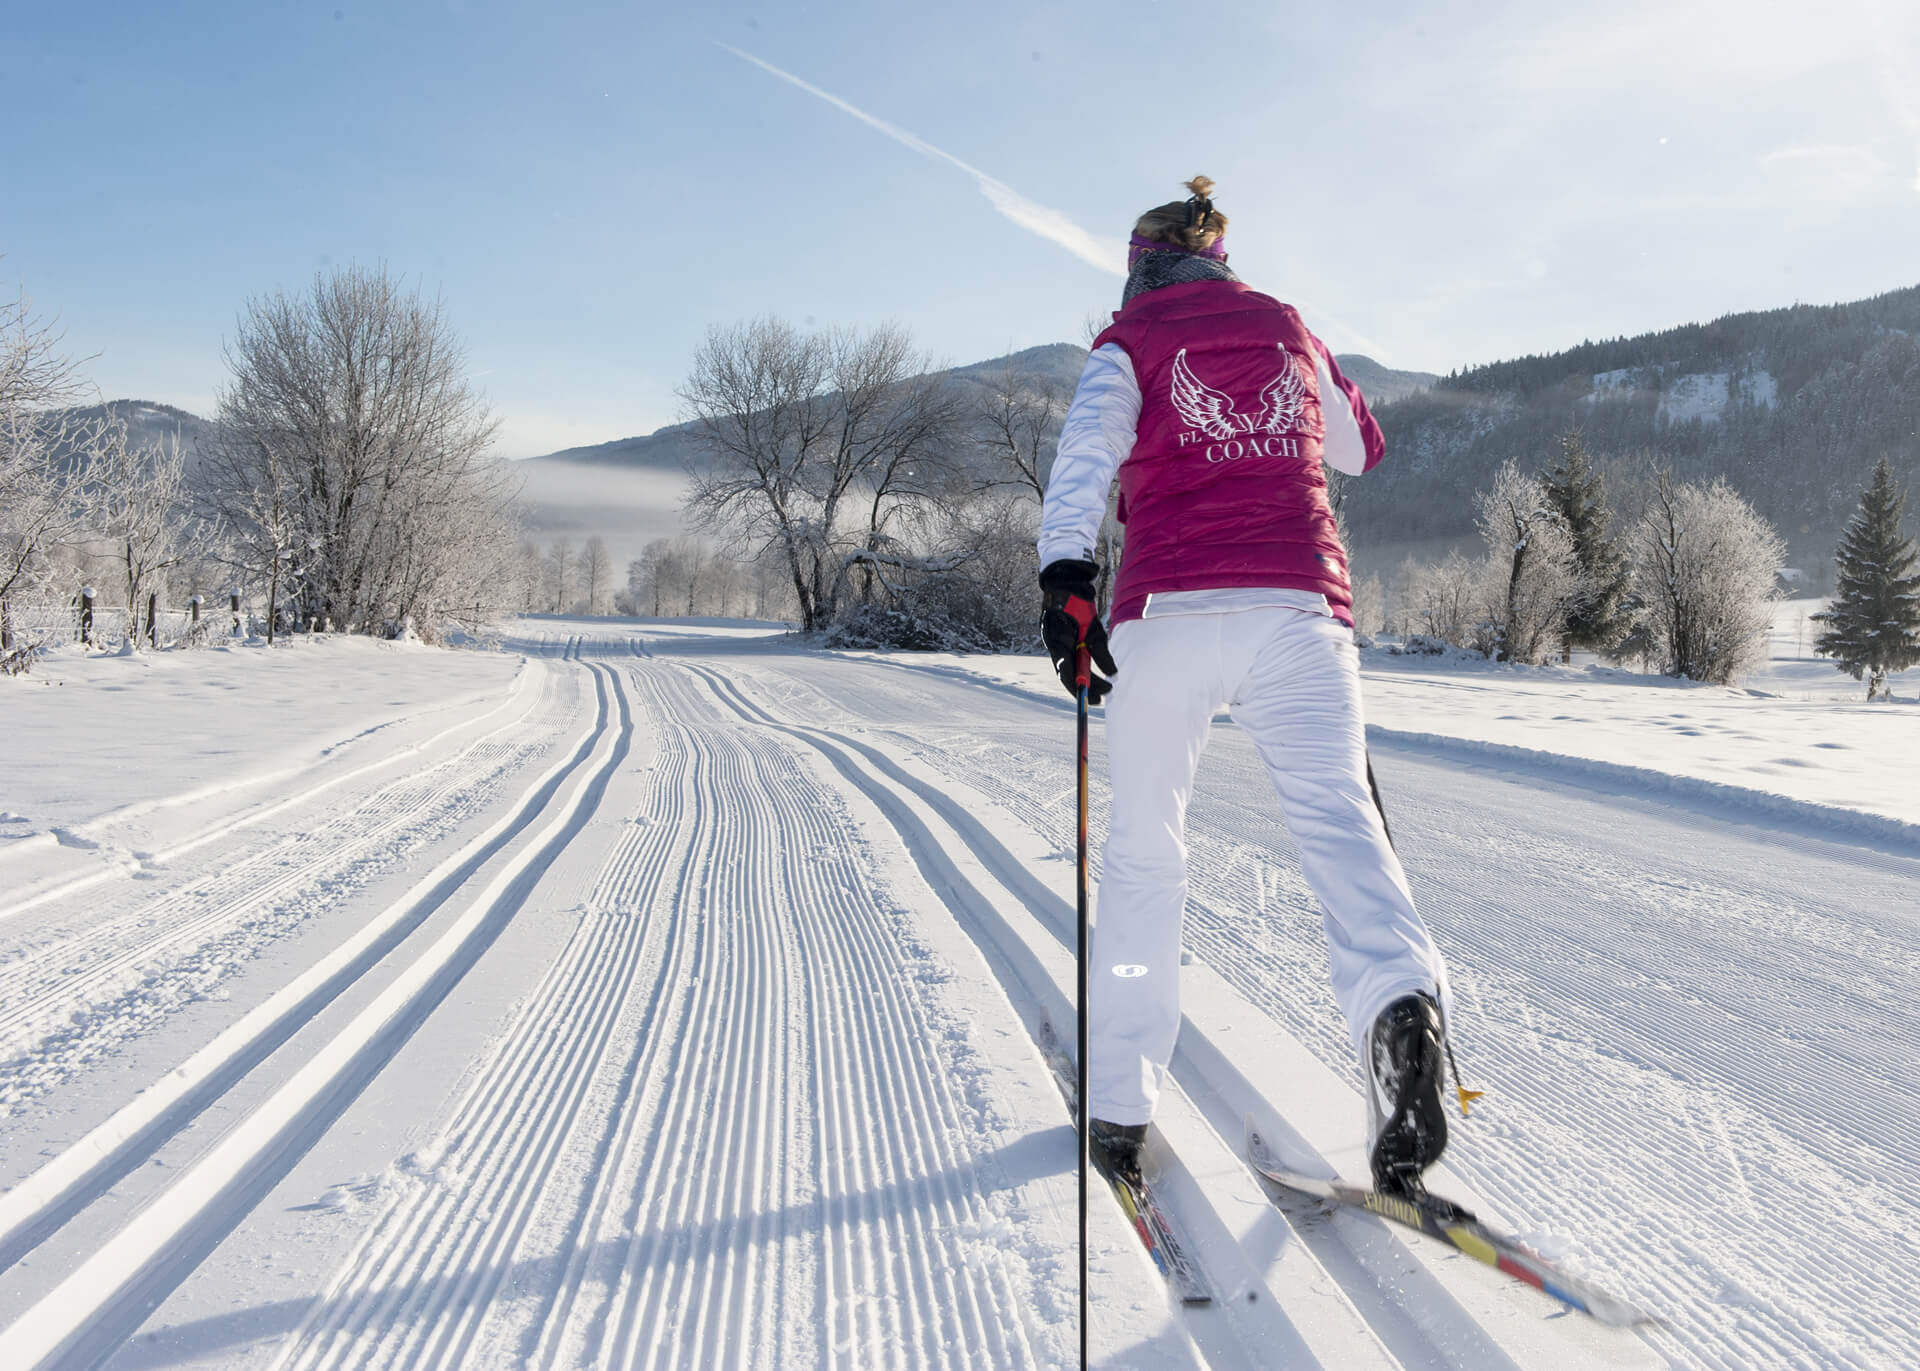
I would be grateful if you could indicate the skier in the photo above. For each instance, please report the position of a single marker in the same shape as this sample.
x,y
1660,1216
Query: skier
x,y
1217,406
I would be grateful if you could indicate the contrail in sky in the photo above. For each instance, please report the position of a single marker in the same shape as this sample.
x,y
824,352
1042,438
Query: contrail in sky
x,y
1108,254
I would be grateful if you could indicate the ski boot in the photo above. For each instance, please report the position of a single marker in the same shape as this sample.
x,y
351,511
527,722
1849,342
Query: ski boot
x,y
1405,1104
1120,1143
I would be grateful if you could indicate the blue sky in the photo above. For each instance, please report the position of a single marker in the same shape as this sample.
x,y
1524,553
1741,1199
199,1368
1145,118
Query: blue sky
x,y
587,188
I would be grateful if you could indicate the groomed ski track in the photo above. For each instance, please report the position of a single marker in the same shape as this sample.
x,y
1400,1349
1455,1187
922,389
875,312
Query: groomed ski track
x,y
707,1041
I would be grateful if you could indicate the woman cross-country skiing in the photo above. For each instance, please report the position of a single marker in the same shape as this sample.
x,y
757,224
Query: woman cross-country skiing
x,y
1217,407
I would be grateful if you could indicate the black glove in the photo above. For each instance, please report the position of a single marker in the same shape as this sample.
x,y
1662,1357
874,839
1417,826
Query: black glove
x,y
1069,620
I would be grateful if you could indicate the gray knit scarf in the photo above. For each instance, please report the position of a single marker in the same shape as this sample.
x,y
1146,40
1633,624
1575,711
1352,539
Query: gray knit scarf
x,y
1157,269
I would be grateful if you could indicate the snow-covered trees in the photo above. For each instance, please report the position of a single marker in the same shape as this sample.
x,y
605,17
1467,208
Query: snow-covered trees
x,y
140,506
1873,625
352,400
1534,576
40,508
1704,566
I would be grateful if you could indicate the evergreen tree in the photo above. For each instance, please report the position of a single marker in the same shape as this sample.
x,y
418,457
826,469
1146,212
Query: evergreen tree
x,y
1600,617
1874,621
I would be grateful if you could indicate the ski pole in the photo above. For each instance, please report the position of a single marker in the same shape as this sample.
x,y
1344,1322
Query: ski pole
x,y
1082,674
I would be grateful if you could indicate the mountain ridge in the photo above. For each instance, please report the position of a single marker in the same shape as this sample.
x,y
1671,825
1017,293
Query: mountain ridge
x,y
1792,406
668,447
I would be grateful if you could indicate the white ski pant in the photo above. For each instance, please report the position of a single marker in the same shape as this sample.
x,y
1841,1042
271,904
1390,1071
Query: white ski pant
x,y
1292,682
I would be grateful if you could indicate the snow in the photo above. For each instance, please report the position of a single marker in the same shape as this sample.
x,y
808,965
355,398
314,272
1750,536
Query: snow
x,y
1698,397
665,993
1796,737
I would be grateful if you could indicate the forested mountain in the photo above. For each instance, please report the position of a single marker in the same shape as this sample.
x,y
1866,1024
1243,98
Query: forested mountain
x,y
1381,384
1793,406
149,425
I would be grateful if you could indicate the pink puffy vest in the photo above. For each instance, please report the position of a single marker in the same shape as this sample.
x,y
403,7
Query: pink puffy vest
x,y
1224,487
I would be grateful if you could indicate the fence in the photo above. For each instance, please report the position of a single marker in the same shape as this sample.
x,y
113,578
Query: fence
x,y
105,625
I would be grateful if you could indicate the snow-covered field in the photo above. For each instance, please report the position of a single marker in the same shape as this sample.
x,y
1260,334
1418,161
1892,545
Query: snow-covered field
x,y
661,994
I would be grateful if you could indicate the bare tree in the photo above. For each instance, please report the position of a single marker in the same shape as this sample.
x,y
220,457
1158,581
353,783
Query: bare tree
x,y
354,394
1704,569
530,574
560,575
1018,420
897,424
795,426
596,569
755,392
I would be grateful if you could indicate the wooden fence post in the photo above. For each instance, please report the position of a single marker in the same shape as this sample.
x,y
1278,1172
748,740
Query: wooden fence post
x,y
153,621
194,601
86,616
233,603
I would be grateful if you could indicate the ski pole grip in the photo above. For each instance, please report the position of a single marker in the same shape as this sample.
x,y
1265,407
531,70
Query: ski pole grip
x,y
1081,610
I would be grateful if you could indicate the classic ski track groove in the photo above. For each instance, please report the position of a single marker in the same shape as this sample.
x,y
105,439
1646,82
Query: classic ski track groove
x,y
1370,1291
85,1318
1653,1262
51,1012
681,1192
1222,1332
98,829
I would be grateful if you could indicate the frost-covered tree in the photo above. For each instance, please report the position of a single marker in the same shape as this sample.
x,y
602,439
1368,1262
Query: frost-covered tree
x,y
1873,625
1704,567
40,505
1017,421
356,392
140,506
1534,572
1442,599
1369,604
1599,618
596,571
561,571
797,429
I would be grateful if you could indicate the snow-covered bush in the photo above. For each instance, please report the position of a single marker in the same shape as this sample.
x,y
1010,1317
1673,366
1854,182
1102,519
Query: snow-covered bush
x,y
1442,599
960,600
1705,566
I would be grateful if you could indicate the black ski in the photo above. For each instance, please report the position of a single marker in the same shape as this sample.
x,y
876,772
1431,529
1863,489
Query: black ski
x,y
1441,1218
1137,1202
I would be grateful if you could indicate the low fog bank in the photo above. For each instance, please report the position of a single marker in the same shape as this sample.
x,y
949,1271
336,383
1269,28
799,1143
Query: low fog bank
x,y
628,508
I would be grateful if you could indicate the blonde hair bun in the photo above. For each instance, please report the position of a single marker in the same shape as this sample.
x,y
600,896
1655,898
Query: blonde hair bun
x,y
1191,224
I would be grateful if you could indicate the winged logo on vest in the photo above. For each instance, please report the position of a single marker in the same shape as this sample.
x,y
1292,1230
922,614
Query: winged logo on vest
x,y
1212,412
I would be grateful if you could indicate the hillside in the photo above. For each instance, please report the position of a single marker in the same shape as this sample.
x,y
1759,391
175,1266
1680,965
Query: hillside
x,y
1793,406
150,424
670,449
